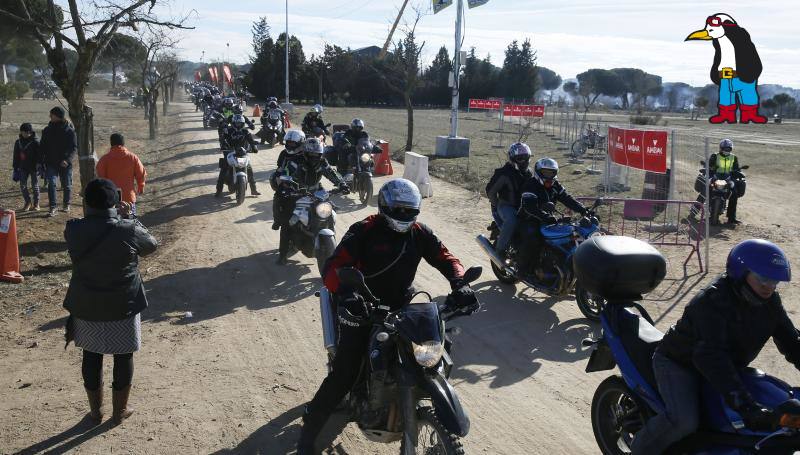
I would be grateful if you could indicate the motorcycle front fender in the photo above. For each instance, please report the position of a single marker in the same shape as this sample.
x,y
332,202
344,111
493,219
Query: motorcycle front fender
x,y
446,403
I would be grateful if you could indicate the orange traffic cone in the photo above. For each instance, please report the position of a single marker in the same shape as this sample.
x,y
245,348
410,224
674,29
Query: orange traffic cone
x,y
257,111
9,250
383,164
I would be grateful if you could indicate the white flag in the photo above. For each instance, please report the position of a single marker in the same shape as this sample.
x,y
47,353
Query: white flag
x,y
439,5
476,3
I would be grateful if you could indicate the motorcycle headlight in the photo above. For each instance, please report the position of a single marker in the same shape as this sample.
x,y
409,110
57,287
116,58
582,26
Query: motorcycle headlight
x,y
428,353
365,157
720,184
241,162
324,209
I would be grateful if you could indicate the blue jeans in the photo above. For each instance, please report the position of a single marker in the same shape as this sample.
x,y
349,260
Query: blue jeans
x,y
65,175
23,185
680,390
508,215
730,88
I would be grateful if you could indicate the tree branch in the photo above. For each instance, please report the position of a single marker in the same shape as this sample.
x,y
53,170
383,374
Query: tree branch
x,y
76,22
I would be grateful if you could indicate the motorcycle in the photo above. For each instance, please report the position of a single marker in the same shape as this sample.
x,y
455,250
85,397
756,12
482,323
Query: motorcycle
x,y
271,128
136,101
623,403
402,392
237,162
211,118
721,189
311,226
555,275
357,169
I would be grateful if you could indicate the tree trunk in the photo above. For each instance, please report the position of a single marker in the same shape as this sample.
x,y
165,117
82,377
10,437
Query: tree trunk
x,y
410,121
165,100
83,120
113,75
151,118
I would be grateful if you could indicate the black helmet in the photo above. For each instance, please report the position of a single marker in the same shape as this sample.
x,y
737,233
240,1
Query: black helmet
x,y
273,104
519,154
546,171
725,147
228,103
238,121
357,125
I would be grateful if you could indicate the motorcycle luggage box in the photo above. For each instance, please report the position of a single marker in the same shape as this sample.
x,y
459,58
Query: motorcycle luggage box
x,y
618,267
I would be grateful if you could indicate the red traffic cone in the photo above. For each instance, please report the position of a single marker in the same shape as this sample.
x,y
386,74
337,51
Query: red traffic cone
x,y
383,164
257,111
9,249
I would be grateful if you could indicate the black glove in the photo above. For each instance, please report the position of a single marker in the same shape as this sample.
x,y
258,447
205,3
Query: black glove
x,y
352,310
757,417
464,300
344,188
550,220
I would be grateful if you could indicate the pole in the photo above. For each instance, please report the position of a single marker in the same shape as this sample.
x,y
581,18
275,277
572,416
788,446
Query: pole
x,y
391,32
456,71
672,169
287,52
705,203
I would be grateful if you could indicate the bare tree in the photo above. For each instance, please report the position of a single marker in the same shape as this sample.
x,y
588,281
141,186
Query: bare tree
x,y
400,71
158,65
87,30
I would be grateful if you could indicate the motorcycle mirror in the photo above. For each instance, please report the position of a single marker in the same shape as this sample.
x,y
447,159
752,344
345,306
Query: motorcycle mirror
x,y
351,277
472,274
747,166
327,125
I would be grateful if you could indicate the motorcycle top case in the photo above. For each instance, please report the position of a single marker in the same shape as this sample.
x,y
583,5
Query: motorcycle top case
x,y
618,267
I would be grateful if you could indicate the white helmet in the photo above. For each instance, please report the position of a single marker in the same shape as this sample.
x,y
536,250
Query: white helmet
x,y
317,108
399,201
546,171
294,140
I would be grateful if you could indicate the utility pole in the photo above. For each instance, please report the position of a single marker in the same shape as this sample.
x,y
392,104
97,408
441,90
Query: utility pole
x,y
456,70
391,32
287,52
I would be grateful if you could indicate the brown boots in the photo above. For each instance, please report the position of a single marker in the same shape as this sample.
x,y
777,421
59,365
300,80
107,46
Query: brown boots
x,y
119,399
95,404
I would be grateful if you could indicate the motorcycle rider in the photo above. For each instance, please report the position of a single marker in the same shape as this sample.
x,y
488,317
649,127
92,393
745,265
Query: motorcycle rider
x,y
721,331
236,135
504,193
306,173
291,154
273,107
724,163
313,120
538,195
347,147
387,248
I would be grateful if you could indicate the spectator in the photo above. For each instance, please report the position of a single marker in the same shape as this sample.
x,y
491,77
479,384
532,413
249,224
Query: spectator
x,y
106,293
25,162
124,168
58,147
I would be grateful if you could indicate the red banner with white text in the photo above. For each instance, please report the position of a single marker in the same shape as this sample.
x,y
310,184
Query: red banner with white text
x,y
640,149
523,110
484,104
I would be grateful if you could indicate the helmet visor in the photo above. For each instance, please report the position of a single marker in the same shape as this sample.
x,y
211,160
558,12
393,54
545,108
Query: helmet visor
x,y
405,214
764,280
522,159
548,174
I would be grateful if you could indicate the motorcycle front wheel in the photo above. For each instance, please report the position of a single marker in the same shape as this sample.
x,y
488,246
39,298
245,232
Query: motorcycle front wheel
x,y
589,304
365,190
616,416
241,191
325,250
433,437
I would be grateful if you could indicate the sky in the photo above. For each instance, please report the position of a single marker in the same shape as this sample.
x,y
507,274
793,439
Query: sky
x,y
570,36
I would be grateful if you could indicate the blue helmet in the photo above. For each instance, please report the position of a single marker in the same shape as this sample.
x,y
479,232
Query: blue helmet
x,y
761,257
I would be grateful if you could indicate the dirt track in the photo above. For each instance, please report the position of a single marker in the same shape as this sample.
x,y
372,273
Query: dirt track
x,y
233,378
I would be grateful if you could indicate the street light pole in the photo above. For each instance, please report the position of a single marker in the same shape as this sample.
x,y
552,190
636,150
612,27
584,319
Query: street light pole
x,y
456,71
287,52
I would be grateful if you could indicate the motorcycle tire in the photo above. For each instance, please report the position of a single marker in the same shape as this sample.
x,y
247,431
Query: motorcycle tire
x,y
614,398
589,304
241,191
716,207
438,439
205,123
365,190
578,148
271,142
325,250
502,276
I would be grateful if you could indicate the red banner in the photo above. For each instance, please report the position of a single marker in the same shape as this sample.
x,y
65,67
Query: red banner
x,y
484,104
523,110
228,77
213,73
197,76
640,149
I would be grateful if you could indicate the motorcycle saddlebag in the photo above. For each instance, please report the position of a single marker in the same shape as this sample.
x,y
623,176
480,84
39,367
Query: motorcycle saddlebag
x,y
700,184
740,186
618,267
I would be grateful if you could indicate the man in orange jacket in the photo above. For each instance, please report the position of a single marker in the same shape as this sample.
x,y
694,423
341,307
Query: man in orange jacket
x,y
122,167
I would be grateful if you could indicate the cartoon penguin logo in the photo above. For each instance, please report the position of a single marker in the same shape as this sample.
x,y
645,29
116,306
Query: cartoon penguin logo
x,y
736,69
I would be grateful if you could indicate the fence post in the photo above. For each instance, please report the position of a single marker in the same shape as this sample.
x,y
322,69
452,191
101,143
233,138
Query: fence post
x,y
705,203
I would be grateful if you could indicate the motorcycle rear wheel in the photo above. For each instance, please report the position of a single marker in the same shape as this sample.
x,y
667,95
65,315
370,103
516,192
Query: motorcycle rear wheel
x,y
589,304
433,437
502,275
578,148
613,410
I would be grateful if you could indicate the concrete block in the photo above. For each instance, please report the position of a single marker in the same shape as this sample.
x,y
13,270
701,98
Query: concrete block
x,y
452,147
416,170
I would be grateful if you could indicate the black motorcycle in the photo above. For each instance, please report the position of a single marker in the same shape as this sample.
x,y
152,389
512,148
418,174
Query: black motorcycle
x,y
272,129
357,166
720,190
402,392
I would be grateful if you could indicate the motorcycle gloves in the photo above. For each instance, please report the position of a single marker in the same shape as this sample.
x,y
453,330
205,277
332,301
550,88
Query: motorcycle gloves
x,y
757,417
344,188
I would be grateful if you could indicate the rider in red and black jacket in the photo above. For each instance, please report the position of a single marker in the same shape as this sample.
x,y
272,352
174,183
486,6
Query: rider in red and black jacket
x,y
387,249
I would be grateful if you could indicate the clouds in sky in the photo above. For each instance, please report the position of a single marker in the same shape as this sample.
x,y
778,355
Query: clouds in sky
x,y
570,36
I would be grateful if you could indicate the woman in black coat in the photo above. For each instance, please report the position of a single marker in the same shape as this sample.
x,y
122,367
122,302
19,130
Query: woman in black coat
x,y
106,293
25,161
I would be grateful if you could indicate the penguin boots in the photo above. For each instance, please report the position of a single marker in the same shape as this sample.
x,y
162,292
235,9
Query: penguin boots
x,y
749,113
726,114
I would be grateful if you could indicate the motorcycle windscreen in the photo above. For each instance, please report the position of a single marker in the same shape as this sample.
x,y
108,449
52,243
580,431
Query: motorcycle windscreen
x,y
419,322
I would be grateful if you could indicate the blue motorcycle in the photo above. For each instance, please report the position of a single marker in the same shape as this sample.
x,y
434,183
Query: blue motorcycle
x,y
623,403
554,275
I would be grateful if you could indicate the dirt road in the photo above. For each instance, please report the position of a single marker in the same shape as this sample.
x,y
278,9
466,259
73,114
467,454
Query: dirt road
x,y
233,377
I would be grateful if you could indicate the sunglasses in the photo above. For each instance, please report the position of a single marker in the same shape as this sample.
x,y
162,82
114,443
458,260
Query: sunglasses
x,y
715,21
764,281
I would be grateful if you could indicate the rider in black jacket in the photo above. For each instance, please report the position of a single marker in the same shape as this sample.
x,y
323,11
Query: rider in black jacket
x,y
538,194
720,332
314,120
505,190
290,156
236,135
387,248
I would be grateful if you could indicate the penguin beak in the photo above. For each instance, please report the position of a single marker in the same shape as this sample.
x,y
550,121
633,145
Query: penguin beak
x,y
699,35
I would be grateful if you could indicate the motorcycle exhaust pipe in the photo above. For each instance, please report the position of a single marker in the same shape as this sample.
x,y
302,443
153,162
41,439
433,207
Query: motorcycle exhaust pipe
x,y
328,320
487,247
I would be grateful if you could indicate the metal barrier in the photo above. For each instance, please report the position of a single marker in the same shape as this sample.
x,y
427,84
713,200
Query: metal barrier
x,y
658,222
